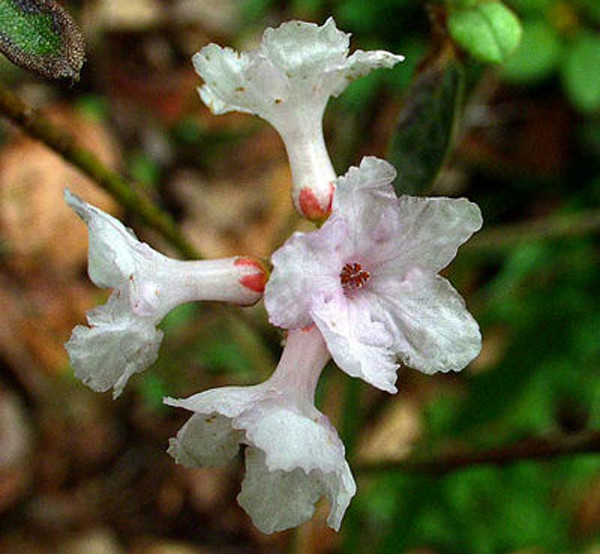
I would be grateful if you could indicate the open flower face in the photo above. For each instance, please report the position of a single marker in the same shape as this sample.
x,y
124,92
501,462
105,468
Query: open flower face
x,y
288,81
293,454
122,338
368,279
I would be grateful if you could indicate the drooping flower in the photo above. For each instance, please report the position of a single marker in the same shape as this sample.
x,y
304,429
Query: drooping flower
x,y
368,279
288,81
293,454
122,338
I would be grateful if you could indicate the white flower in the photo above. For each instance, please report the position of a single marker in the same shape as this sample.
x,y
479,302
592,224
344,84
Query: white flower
x,y
288,81
368,279
293,456
122,338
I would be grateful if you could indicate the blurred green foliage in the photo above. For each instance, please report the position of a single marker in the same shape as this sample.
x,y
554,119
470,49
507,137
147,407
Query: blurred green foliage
x,y
480,510
560,38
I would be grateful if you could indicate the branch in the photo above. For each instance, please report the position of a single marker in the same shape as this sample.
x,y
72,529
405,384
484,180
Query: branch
x,y
545,448
555,226
120,188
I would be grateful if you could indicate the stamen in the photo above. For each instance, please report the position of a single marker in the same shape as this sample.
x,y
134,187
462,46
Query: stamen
x,y
353,277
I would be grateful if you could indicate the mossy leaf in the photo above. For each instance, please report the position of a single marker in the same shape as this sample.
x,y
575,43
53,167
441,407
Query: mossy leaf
x,y
39,35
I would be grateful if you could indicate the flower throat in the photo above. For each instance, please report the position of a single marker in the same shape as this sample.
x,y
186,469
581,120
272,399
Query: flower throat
x,y
353,277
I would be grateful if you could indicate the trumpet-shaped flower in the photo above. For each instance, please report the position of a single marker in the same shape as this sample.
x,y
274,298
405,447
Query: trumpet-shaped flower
x,y
368,279
122,338
293,454
288,81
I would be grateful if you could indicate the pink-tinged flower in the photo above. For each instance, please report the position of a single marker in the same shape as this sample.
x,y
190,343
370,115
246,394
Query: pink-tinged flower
x,y
293,454
122,338
288,81
368,279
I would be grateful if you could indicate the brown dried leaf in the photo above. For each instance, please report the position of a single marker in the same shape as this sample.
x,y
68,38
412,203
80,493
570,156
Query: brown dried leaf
x,y
38,230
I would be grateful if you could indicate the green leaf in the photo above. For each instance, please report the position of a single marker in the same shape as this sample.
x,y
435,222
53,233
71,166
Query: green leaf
x,y
39,35
537,56
425,129
581,77
490,32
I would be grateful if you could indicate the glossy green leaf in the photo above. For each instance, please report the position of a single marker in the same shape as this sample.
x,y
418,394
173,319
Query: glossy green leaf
x,y
490,31
39,35
581,74
426,125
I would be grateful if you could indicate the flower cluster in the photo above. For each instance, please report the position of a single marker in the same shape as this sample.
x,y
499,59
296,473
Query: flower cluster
x,y
362,289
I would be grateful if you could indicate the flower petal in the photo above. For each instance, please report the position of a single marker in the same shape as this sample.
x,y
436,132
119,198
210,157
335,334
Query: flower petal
x,y
365,199
372,175
227,401
359,344
244,82
397,234
286,74
111,244
205,441
306,264
292,442
299,65
301,49
210,437
429,232
116,346
362,63
432,328
277,500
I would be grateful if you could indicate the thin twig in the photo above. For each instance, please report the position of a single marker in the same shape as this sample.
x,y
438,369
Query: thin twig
x,y
552,227
542,448
120,188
